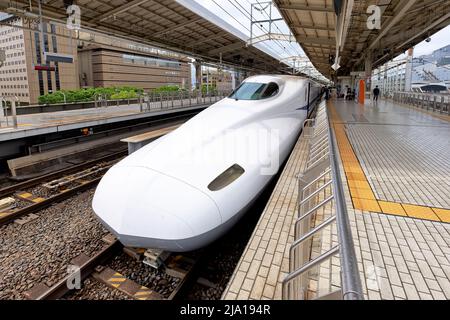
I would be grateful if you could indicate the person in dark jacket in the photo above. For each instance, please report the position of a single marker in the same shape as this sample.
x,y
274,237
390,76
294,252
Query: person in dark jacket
x,y
376,93
327,93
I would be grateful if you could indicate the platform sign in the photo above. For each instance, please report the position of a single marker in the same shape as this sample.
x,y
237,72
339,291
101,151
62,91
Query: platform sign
x,y
58,57
44,68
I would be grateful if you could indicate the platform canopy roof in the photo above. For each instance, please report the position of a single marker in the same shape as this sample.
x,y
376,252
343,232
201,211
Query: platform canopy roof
x,y
321,26
179,25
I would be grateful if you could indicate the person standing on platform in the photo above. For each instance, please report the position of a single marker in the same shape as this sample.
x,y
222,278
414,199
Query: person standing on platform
x,y
327,93
376,93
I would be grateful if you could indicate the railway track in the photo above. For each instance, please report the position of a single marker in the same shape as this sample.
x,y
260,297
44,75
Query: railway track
x,y
62,185
79,178
178,266
26,203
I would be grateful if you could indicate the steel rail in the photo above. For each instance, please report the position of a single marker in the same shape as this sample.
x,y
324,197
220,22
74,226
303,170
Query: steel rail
x,y
61,288
75,168
48,202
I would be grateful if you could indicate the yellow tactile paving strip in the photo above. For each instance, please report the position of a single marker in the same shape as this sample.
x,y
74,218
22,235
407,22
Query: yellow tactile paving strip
x,y
363,197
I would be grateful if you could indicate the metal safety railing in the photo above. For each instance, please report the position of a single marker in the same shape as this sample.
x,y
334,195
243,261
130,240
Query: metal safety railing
x,y
152,101
435,102
178,99
8,105
320,187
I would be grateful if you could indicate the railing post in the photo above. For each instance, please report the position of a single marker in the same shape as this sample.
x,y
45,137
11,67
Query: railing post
x,y
3,115
14,113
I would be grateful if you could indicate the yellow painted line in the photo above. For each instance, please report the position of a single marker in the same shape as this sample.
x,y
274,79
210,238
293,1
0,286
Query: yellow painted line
x,y
25,195
361,192
116,280
37,200
443,214
143,293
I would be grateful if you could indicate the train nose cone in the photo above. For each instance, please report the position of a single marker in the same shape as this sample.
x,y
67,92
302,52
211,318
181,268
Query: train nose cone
x,y
147,209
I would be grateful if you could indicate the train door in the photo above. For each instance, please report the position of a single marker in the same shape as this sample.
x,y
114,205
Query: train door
x,y
309,92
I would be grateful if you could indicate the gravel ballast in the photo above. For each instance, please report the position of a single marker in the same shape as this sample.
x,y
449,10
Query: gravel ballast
x,y
41,250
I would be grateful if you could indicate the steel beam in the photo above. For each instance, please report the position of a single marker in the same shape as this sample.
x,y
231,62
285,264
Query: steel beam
x,y
178,26
314,27
316,40
123,8
301,7
230,47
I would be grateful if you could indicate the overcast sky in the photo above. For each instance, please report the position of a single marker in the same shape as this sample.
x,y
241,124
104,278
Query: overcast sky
x,y
438,40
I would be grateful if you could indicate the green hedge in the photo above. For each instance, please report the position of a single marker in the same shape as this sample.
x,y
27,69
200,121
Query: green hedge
x,y
113,93
212,88
167,89
84,95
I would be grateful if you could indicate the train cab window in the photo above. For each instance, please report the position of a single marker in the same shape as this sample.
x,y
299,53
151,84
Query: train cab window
x,y
270,91
255,91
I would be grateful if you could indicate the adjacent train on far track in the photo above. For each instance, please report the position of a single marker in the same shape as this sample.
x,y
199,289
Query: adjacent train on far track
x,y
188,188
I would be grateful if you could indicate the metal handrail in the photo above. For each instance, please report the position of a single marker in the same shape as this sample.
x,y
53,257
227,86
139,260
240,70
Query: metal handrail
x,y
333,251
312,232
326,155
351,282
318,178
311,195
351,287
316,207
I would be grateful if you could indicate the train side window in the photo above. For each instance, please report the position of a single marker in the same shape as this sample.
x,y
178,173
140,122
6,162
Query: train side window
x,y
271,90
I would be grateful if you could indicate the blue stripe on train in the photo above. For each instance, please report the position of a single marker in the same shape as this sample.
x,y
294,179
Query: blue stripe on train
x,y
308,105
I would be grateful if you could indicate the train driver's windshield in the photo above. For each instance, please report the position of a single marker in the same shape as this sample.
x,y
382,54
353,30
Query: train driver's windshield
x,y
255,91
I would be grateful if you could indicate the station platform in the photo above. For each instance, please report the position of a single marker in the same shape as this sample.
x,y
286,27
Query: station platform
x,y
44,123
395,169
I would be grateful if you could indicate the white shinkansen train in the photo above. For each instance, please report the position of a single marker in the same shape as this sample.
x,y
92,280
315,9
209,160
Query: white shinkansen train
x,y
186,189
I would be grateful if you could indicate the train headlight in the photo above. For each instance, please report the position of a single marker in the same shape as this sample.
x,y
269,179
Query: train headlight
x,y
226,177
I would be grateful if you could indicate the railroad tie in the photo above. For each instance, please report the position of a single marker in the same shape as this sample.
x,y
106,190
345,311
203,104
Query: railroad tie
x,y
143,293
132,289
116,280
29,197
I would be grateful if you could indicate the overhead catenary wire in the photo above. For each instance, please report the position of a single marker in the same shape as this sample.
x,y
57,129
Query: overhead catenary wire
x,y
315,72
234,18
248,15
264,11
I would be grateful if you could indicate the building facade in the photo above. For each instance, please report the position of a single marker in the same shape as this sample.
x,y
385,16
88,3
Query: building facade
x,y
102,66
427,73
24,48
